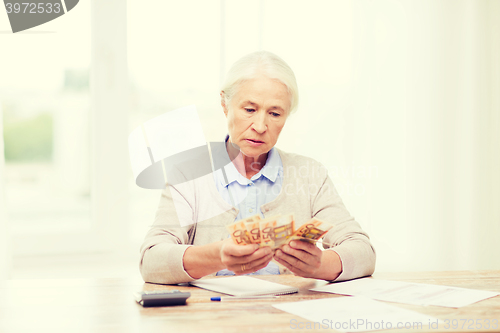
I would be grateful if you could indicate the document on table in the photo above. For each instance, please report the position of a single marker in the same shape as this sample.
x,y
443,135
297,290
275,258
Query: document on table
x,y
353,314
244,286
409,293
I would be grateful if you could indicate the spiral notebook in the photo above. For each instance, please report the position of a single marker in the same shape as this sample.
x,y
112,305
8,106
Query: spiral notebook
x,y
244,286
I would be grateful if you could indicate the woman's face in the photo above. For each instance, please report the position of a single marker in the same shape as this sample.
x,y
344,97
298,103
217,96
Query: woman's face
x,y
256,114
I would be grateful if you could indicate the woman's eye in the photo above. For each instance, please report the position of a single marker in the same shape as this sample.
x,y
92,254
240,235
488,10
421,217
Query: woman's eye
x,y
249,110
274,114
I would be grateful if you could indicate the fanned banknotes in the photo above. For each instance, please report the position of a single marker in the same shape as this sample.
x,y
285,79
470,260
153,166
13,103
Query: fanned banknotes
x,y
276,231
312,231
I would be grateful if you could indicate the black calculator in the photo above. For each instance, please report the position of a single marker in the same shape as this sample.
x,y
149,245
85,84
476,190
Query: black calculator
x,y
161,297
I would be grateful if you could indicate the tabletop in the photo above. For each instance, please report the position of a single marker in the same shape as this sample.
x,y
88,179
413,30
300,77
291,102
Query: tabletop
x,y
107,305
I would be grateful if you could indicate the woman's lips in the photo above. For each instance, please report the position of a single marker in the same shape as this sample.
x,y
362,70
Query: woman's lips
x,y
254,143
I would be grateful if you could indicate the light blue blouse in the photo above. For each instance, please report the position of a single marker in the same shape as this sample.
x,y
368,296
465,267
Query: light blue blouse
x,y
248,195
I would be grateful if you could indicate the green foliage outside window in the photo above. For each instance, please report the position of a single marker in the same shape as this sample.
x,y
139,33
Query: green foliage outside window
x,y
29,139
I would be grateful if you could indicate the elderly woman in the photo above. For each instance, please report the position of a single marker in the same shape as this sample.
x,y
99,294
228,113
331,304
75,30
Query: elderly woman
x,y
259,94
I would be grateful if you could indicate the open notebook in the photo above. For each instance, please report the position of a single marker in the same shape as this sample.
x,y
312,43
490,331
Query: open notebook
x,y
243,286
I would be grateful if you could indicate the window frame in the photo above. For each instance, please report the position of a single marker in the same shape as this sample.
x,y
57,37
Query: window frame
x,y
110,170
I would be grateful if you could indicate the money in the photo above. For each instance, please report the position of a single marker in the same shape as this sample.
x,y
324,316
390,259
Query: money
x,y
311,231
276,231
284,229
267,230
239,233
252,224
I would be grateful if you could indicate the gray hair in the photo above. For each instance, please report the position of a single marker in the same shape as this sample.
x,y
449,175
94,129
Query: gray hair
x,y
261,62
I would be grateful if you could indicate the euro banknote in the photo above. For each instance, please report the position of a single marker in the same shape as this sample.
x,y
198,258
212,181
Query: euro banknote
x,y
276,231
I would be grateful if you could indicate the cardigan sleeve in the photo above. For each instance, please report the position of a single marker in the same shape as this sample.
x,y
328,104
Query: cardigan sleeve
x,y
348,240
165,243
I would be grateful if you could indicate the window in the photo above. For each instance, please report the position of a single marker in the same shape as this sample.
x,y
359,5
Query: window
x,y
44,95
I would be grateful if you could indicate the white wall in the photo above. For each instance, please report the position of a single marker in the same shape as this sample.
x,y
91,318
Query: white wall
x,y
434,133
421,111
399,99
109,133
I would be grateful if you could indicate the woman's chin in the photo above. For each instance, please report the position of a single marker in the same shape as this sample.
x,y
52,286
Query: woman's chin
x,y
253,152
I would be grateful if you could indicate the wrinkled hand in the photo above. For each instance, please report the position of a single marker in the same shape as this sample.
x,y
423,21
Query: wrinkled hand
x,y
244,259
301,258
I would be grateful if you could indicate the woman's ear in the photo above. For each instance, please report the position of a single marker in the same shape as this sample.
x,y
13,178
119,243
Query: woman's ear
x,y
223,102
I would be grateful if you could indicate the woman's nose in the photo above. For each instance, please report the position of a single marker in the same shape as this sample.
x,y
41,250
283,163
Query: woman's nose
x,y
260,122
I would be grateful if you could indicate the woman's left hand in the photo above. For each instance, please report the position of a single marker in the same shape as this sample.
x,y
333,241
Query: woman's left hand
x,y
301,258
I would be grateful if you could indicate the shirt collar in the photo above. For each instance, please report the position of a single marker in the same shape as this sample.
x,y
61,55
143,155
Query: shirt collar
x,y
272,166
270,170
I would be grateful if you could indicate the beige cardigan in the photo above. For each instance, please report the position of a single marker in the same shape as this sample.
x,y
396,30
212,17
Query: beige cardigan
x,y
307,191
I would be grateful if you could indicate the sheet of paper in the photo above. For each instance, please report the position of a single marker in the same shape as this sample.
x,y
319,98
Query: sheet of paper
x,y
244,286
352,314
409,293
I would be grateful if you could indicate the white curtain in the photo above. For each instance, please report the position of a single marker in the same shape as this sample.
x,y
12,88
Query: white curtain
x,y
4,230
415,144
430,101
405,114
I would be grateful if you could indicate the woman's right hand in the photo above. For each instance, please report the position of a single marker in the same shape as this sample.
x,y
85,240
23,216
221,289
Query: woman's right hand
x,y
244,259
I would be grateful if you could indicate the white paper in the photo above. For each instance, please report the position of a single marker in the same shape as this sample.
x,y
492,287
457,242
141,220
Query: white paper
x,y
352,314
409,293
244,286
